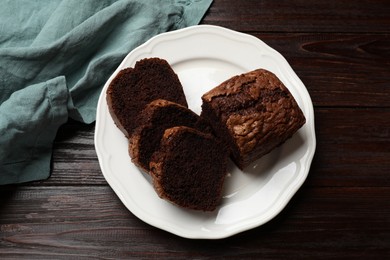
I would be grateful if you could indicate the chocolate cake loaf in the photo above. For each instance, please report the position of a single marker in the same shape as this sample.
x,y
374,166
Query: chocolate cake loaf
x,y
133,88
189,168
155,118
253,113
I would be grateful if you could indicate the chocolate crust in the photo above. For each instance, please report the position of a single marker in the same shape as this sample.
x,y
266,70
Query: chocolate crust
x,y
253,113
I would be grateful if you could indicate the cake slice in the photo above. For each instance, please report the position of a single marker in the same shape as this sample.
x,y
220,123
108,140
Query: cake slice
x,y
252,113
189,168
154,119
133,88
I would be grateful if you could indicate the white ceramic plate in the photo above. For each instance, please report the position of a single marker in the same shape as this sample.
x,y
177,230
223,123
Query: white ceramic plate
x,y
203,56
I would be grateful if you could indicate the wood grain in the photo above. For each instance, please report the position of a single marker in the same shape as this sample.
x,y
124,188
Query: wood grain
x,y
341,52
353,149
61,222
339,69
301,16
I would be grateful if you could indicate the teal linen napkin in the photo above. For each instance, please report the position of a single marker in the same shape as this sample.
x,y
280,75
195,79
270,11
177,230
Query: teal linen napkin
x,y
55,57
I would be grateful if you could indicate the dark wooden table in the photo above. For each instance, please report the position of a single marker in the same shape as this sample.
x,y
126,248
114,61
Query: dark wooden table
x,y
341,52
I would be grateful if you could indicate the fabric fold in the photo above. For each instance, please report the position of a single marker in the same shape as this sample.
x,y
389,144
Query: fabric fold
x,y
61,53
26,138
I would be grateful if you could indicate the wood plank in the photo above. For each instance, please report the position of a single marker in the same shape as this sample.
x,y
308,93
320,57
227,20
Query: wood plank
x,y
339,69
353,149
74,157
301,16
64,222
341,51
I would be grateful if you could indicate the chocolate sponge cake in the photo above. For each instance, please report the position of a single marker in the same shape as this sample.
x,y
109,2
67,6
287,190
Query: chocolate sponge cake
x,y
133,88
155,118
253,113
189,168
